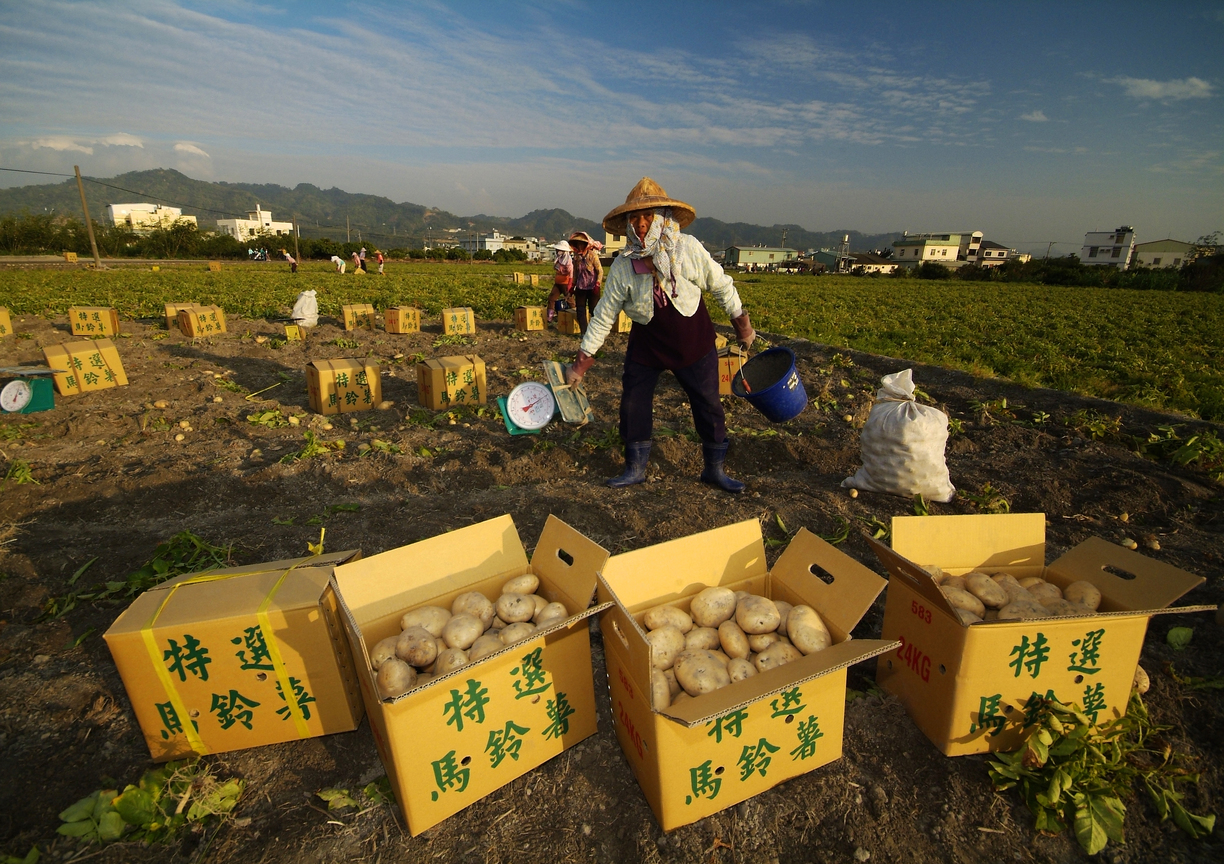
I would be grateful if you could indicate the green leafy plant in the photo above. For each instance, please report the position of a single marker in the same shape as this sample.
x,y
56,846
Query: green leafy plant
x,y
956,426
840,535
276,343
1179,637
380,446
1094,424
1192,683
14,431
31,857
609,439
226,384
879,530
374,794
269,419
993,412
314,446
920,506
19,473
1070,772
341,342
989,500
786,533
452,339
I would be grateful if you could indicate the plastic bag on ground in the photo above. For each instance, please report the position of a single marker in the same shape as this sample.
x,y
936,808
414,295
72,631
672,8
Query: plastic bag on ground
x,y
903,445
306,310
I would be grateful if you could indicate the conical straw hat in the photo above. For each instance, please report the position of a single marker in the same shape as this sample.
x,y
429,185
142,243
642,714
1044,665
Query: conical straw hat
x,y
647,195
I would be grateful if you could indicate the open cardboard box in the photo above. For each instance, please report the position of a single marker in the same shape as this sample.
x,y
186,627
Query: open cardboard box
x,y
707,753
967,686
450,742
200,669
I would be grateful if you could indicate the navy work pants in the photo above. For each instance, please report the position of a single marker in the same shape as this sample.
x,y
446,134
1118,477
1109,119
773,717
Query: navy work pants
x,y
700,382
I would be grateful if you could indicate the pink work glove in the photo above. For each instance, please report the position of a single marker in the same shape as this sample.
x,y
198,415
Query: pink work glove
x,y
744,334
573,374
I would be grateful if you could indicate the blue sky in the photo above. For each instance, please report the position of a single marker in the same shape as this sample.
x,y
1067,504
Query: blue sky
x,y
1030,121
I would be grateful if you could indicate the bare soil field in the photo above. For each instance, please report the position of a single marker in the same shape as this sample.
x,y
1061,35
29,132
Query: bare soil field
x,y
113,482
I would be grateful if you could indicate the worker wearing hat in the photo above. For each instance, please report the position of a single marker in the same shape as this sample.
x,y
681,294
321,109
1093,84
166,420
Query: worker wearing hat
x,y
588,273
658,280
563,277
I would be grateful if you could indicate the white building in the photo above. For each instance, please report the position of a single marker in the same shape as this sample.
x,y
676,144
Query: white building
x,y
142,218
1163,254
613,243
1109,248
258,222
915,249
474,242
992,254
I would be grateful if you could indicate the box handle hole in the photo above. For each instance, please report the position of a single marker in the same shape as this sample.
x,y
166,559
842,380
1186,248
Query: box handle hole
x,y
822,574
466,760
719,770
1119,572
566,557
616,629
943,670
261,676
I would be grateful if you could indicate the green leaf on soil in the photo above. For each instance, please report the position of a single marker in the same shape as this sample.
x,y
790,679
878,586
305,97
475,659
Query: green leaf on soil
x,y
1179,637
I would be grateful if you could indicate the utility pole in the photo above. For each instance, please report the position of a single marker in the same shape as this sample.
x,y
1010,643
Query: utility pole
x,y
783,238
348,231
296,234
93,244
1048,248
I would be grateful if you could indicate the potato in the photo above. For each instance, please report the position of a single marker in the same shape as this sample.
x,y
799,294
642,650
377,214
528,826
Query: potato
x,y
1084,593
758,642
665,643
416,647
808,640
963,600
722,655
700,672
487,644
672,683
712,607
1044,591
550,614
461,631
967,617
1019,611
1008,583
777,654
954,582
756,615
497,624
515,608
937,573
1029,581
985,589
783,610
702,639
475,604
540,602
516,632
739,669
732,639
432,618
383,651
668,616
395,677
807,630
660,692
1141,683
525,584
740,595
449,659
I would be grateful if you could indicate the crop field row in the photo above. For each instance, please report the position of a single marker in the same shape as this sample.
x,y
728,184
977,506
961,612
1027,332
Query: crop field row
x,y
1164,350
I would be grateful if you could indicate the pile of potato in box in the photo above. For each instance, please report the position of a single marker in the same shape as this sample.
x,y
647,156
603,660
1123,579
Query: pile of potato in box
x,y
726,676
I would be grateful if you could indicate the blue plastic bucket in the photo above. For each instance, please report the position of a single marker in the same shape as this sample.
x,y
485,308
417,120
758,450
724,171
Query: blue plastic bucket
x,y
774,387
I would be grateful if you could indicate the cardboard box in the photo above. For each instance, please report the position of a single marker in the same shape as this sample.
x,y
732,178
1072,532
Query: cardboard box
x,y
454,740
703,755
528,318
623,323
567,323
444,382
172,310
6,323
402,319
70,257
535,280
214,266
341,386
207,658
459,321
93,320
84,366
199,321
358,315
518,278
967,687
295,333
730,359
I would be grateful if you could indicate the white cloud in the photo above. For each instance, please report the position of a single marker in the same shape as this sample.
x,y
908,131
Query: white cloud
x,y
121,139
62,143
1035,117
1165,91
190,149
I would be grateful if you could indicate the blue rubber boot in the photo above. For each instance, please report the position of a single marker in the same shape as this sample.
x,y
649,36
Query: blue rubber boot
x,y
715,455
636,455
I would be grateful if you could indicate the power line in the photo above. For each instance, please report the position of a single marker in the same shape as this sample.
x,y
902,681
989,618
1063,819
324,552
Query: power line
x,y
48,173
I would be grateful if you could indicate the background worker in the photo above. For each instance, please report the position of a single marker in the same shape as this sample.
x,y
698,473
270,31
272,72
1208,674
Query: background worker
x,y
563,278
356,264
292,261
658,280
381,261
339,262
588,273
361,259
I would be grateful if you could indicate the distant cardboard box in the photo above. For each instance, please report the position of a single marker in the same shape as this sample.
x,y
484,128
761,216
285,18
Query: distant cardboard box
x,y
358,315
730,360
402,319
529,318
567,323
85,366
214,266
445,382
197,321
238,658
172,310
450,742
704,754
70,257
93,320
970,687
459,321
342,386
6,322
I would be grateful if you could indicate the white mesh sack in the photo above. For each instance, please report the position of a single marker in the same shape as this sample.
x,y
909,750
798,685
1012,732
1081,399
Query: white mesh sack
x,y
903,445
306,309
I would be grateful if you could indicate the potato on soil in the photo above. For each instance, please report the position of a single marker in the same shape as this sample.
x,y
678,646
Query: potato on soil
x,y
1044,591
516,632
985,589
783,610
449,660
550,614
758,642
668,616
475,604
416,647
807,630
665,643
702,639
485,645
755,615
525,584
432,618
712,607
515,608
963,600
395,677
660,692
739,669
700,672
672,683
732,639
1084,593
777,654
383,651
1141,683
461,631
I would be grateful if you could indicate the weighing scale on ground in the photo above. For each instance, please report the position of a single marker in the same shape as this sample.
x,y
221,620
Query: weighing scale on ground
x,y
26,389
532,405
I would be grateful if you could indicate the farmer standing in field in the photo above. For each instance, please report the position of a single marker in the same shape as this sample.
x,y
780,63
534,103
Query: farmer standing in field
x,y
361,256
381,260
588,273
356,264
658,281
563,277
